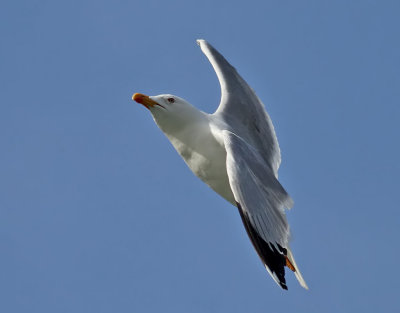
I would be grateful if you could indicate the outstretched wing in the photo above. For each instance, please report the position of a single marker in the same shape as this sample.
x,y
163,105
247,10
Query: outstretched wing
x,y
242,109
261,201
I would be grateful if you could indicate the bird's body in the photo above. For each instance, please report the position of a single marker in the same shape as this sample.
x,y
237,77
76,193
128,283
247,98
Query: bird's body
x,y
236,153
199,143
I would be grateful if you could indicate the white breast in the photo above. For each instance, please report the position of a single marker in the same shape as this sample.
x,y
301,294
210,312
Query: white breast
x,y
206,157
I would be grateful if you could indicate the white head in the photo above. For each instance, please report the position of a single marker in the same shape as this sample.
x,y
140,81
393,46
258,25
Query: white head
x,y
169,112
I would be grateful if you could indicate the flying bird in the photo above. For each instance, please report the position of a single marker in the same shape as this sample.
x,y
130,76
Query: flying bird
x,y
234,151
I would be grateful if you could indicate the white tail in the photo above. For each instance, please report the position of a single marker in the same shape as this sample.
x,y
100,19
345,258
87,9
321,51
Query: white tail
x,y
297,271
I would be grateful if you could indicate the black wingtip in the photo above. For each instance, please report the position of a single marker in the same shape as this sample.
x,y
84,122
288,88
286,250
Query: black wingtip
x,y
273,259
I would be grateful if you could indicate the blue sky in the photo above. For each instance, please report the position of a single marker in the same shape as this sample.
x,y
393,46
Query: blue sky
x,y
98,213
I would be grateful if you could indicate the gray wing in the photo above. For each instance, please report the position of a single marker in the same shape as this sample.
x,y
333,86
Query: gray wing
x,y
242,109
261,201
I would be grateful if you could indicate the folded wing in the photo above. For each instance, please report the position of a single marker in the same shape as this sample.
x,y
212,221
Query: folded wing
x,y
261,201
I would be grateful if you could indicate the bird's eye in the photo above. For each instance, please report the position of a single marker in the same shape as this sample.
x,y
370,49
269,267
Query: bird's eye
x,y
171,100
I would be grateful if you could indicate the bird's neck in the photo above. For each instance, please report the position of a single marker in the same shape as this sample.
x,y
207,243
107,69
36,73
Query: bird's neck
x,y
189,132
177,125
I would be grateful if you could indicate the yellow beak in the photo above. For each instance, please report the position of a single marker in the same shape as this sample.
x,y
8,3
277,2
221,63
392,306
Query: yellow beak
x,y
144,100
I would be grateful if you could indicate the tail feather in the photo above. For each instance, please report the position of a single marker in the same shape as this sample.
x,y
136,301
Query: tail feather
x,y
274,257
296,271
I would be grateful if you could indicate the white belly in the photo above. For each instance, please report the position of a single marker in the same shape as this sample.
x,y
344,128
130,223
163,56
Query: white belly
x,y
206,157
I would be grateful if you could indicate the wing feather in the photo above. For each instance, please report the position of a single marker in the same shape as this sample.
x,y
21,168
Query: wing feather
x,y
242,109
261,201
253,160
